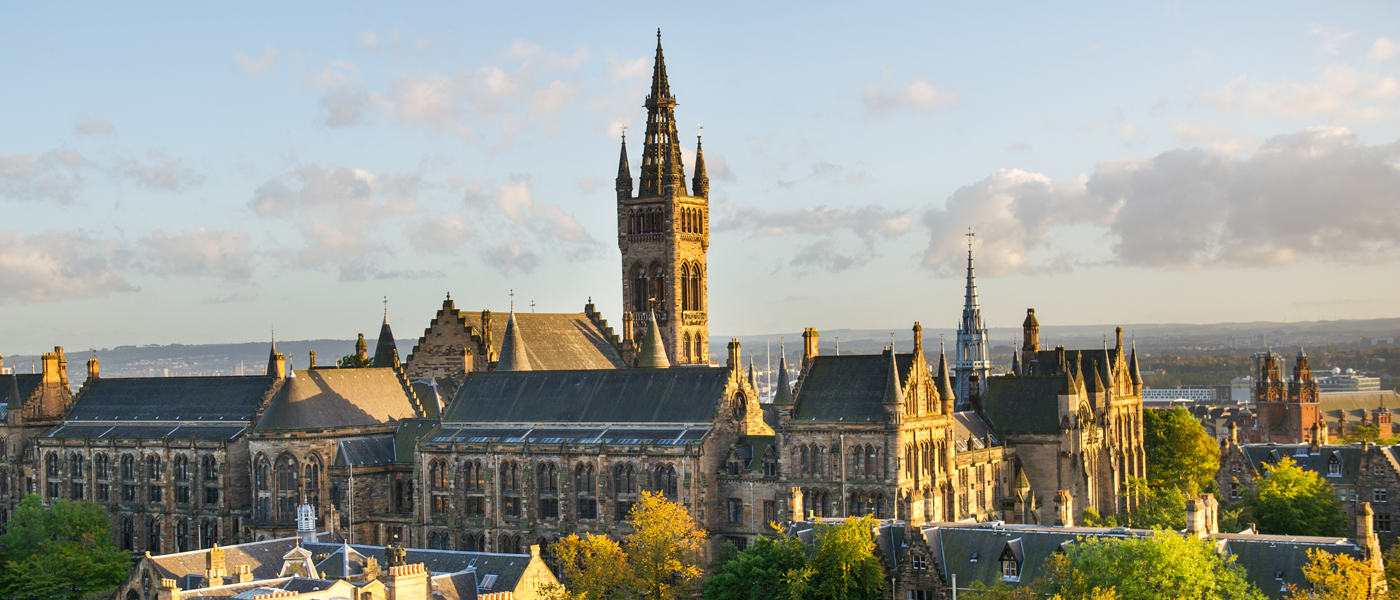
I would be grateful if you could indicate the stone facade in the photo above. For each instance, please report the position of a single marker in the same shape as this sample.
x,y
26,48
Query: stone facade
x,y
32,405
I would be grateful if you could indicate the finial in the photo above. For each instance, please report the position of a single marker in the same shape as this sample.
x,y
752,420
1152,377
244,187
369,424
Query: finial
x,y
449,295
624,134
512,299
969,235
658,36
699,129
386,308
532,305
274,333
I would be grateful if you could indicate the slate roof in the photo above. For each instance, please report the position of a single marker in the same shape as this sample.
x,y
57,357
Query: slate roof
x,y
365,450
1349,455
219,398
386,354
253,589
967,426
848,388
1023,404
508,568
16,388
555,434
426,390
679,395
752,448
329,398
407,436
264,559
456,586
103,431
1263,556
554,341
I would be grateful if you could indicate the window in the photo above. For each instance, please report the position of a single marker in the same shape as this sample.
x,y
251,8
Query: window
x,y
210,468
1235,491
920,595
1334,467
1010,570
156,493
1378,470
587,508
770,465
920,562
54,490
51,465
624,510
740,542
666,480
1278,575
182,468
440,504
549,508
75,465
153,535
736,510
476,506
1378,495
101,467
128,467
128,493
1383,522
770,511
154,467
104,492
511,506
1342,494
487,582
76,492
211,495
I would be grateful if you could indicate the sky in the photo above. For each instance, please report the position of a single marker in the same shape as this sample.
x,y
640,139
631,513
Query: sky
x,y
202,172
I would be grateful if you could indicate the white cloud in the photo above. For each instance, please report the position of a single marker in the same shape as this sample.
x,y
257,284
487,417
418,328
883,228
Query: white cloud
x,y
369,40
259,65
1383,48
441,234
1316,194
1343,95
200,253
54,176
234,298
619,70
510,256
920,96
1332,38
54,265
93,125
158,171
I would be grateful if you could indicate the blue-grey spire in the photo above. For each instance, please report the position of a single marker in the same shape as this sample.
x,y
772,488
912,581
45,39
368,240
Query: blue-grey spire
x,y
972,356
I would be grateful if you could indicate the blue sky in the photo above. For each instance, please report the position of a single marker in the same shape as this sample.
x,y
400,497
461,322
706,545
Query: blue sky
x,y
195,173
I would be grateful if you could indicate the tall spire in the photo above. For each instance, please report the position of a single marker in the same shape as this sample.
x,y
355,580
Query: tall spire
x,y
653,352
945,387
661,149
783,395
973,357
701,182
624,171
386,352
513,355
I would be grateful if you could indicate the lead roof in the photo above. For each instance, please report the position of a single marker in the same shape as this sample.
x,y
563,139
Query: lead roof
x,y
677,395
328,398
207,399
849,388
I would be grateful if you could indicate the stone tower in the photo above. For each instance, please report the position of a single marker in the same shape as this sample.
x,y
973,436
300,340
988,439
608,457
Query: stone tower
x,y
972,357
664,233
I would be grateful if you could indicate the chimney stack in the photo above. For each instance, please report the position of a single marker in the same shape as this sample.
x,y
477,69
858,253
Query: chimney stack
x,y
809,347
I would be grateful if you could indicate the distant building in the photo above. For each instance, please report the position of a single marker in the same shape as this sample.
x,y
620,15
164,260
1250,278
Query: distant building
x,y
1190,394
1337,380
1287,408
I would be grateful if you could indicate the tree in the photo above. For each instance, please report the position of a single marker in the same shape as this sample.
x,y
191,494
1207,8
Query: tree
x,y
842,565
1157,508
350,361
1290,501
659,560
1334,577
1163,565
757,572
1392,571
1180,453
64,550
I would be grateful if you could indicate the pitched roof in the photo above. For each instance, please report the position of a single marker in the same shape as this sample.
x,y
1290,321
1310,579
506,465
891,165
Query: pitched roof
x,y
147,431
16,388
365,450
677,395
849,387
456,586
557,340
1023,404
263,559
1263,557
322,398
215,399
1354,404
1348,455
508,568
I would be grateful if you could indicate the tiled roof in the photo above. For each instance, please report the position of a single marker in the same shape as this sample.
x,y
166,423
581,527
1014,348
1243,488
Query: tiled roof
x,y
1023,404
264,559
327,398
102,431
1348,455
555,434
849,388
365,450
508,568
16,388
1263,558
455,586
679,395
1354,404
223,398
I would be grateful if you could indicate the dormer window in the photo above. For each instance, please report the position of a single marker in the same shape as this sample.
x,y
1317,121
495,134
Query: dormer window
x,y
920,562
1334,467
1011,557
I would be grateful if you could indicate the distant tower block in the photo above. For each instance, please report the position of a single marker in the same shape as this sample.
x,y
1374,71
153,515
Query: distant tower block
x,y
664,232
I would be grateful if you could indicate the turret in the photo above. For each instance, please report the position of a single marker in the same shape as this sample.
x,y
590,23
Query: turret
x,y
513,354
1134,373
1030,333
276,362
894,392
1064,509
944,382
653,352
782,395
361,350
809,347
624,173
701,182
386,352
92,368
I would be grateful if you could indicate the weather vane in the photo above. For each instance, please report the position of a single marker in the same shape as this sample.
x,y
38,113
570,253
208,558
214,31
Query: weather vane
x,y
512,299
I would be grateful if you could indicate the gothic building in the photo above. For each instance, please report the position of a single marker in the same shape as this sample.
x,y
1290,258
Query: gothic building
x,y
1288,408
974,360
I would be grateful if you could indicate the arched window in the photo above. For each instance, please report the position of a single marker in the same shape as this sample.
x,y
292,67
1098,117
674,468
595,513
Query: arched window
x,y
128,467
871,467
153,535
685,343
549,478
312,484
658,284
182,536
154,468
182,468
128,529
586,491
209,533
261,477
75,465
210,466
666,480
697,281
437,474
288,487
699,352
640,291
471,542
510,489
102,466
687,302
51,464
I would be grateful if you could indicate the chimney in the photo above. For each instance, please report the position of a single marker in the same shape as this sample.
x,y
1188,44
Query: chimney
x,y
1212,513
279,366
1196,518
809,347
92,368
407,582
735,361
169,590
795,503
1064,509
50,368
1315,446
214,567
627,327
1234,434
313,360
242,574
1322,431
62,366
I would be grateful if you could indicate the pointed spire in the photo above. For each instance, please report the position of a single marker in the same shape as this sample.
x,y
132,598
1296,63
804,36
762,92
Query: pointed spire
x,y
386,352
1096,382
783,395
701,182
942,380
653,352
272,355
624,172
513,355
1021,482
661,150
1134,374
894,392
752,383
1015,363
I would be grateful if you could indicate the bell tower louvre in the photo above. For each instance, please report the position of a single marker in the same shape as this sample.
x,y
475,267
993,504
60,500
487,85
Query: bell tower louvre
x,y
664,233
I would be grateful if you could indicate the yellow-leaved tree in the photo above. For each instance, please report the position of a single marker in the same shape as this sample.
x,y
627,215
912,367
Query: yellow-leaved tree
x,y
1336,577
659,560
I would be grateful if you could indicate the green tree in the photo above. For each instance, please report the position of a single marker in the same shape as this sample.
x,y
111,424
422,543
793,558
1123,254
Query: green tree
x,y
1180,453
842,566
659,560
757,572
1163,565
350,361
1290,501
1334,577
1157,508
64,550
